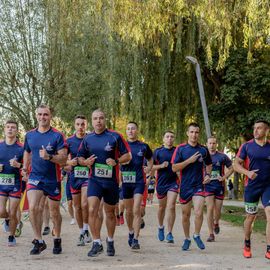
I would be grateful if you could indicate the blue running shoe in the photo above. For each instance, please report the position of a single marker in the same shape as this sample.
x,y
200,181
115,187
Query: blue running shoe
x,y
95,250
11,241
169,238
110,248
199,242
130,238
186,244
161,235
6,225
135,244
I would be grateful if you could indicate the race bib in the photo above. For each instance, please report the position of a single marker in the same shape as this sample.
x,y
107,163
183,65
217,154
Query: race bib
x,y
129,177
215,175
251,208
151,187
7,179
103,170
81,172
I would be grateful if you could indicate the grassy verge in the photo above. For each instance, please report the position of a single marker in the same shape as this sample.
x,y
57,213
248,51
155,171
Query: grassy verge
x,y
236,216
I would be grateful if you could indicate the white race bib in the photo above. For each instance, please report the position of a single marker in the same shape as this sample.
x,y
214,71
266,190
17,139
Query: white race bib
x,y
81,172
7,179
129,177
215,175
103,170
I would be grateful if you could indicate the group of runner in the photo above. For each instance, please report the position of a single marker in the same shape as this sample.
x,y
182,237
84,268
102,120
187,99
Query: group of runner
x,y
97,163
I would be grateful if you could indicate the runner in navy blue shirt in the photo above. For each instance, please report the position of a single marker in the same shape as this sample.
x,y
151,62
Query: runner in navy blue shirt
x,y
167,186
133,182
102,151
11,155
190,159
45,151
214,191
78,178
253,160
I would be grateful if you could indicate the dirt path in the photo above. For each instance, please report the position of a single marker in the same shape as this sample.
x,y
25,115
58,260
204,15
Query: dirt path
x,y
225,253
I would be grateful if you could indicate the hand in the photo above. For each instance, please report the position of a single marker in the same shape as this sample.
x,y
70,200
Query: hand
x,y
73,162
206,179
24,173
165,164
252,174
14,163
90,161
111,162
43,153
194,157
221,178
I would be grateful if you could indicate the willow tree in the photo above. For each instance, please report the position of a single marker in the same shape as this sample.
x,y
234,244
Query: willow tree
x,y
30,60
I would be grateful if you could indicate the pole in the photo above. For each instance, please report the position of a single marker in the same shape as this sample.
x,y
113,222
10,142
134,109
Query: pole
x,y
202,95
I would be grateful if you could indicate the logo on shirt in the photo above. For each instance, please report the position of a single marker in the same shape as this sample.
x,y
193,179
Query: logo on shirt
x,y
140,153
57,191
108,147
15,189
218,163
49,147
200,159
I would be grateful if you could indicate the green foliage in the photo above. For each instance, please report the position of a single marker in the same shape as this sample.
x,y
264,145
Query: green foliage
x,y
236,216
244,94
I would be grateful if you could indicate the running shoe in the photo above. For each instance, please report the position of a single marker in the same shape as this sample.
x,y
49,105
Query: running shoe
x,y
216,228
46,230
57,246
186,244
95,250
11,241
87,237
122,221
267,255
135,244
130,238
38,247
18,231
72,221
169,238
211,238
142,224
81,241
199,242
110,248
247,252
161,235
6,225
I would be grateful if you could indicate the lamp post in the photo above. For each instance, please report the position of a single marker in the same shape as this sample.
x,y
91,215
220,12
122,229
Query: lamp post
x,y
201,91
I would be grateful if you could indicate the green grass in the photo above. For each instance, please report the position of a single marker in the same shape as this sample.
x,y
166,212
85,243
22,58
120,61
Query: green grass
x,y
236,216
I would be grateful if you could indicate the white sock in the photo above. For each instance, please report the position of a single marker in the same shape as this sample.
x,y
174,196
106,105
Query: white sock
x,y
81,231
131,232
109,239
97,241
161,227
85,226
196,235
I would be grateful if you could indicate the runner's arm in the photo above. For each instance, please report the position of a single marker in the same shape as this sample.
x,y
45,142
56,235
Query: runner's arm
x,y
60,158
181,165
228,173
